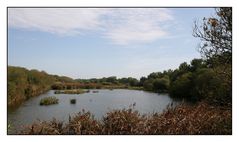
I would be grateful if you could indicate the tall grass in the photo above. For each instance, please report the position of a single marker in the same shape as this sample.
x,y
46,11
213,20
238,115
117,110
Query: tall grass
x,y
49,101
183,119
73,91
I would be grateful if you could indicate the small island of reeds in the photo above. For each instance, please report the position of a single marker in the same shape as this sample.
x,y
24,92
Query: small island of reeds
x,y
73,91
49,101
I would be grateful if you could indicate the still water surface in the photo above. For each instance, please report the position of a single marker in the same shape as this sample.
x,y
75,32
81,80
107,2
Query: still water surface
x,y
97,103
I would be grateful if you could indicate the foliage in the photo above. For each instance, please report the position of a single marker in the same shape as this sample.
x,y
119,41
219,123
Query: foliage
x,y
216,46
148,84
113,80
161,84
184,119
216,35
23,84
74,91
211,87
181,87
73,101
49,101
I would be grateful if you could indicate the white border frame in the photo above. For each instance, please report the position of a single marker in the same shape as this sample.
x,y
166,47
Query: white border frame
x,y
160,3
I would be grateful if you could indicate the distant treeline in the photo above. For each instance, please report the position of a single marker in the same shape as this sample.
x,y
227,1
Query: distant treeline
x,y
94,83
194,82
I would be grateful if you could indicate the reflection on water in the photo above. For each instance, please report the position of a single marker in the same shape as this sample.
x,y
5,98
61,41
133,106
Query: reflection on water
x,y
97,103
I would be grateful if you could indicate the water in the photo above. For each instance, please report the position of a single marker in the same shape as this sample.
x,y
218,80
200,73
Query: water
x,y
97,103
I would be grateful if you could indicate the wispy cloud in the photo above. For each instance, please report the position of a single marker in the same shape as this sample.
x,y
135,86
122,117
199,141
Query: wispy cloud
x,y
122,26
62,21
138,25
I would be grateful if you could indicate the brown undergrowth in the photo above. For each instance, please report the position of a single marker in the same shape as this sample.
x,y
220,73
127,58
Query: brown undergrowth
x,y
184,119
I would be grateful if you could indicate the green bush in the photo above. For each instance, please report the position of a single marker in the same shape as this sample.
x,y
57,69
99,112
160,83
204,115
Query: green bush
x,y
73,101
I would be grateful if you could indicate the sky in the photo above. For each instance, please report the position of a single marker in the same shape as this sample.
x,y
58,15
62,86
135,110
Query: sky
x,y
102,42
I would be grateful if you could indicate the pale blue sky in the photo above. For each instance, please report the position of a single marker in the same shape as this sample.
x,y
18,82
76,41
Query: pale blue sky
x,y
88,43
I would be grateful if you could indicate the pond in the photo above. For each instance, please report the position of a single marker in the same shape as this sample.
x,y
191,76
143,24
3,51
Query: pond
x,y
97,103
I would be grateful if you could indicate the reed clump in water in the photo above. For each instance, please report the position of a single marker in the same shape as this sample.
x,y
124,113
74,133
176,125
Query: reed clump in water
x,y
74,91
49,101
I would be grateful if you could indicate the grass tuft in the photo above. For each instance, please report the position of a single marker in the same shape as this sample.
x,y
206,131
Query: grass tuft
x,y
49,101
74,91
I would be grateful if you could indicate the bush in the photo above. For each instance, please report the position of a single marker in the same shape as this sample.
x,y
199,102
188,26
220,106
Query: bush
x,y
73,101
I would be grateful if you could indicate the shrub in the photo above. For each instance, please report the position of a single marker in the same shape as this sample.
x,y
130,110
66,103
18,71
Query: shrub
x,y
73,101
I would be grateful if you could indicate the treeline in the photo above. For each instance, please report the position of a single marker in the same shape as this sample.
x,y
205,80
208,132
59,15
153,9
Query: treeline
x,y
23,84
111,82
130,81
195,81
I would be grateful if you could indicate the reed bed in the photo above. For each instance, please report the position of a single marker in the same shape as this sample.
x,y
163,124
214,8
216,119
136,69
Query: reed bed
x,y
74,91
184,119
49,101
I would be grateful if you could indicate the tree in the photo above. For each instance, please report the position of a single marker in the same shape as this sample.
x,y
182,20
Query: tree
x,y
216,34
216,43
207,85
155,75
197,64
133,81
148,85
181,88
161,84
142,80
23,84
216,39
111,79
